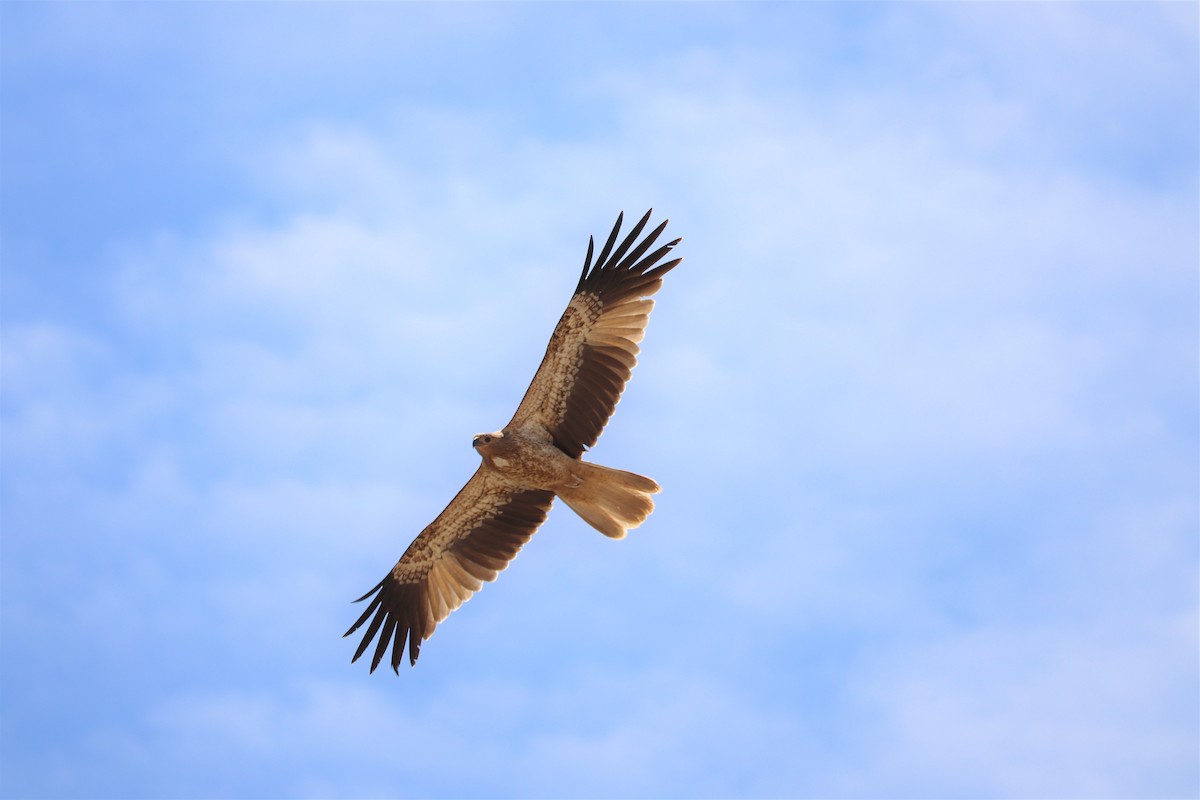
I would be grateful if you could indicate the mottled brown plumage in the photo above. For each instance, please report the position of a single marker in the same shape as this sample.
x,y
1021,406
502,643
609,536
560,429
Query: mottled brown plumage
x,y
536,457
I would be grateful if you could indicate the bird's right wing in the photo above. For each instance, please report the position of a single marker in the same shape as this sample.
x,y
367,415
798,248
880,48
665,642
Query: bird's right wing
x,y
470,542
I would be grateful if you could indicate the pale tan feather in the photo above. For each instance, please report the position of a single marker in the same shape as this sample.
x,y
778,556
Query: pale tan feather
x,y
594,347
470,542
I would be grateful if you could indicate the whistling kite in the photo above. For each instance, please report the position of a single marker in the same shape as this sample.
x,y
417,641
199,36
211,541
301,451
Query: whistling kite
x,y
536,456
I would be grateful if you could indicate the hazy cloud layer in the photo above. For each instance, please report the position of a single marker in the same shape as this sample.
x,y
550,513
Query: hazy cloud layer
x,y
922,396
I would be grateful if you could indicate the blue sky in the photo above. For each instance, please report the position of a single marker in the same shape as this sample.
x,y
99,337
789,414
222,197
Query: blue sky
x,y
922,397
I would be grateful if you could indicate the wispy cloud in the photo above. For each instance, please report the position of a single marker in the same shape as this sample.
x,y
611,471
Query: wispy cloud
x,y
922,397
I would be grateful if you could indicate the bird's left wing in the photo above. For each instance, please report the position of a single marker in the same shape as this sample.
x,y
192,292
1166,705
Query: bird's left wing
x,y
470,542
595,345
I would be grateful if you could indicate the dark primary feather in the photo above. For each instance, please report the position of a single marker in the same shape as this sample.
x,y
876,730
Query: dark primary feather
x,y
618,280
392,608
407,605
621,278
595,344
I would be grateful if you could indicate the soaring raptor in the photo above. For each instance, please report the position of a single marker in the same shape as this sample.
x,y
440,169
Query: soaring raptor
x,y
536,456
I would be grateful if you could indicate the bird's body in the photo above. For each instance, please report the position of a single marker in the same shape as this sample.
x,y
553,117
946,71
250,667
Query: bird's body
x,y
525,456
536,457
610,500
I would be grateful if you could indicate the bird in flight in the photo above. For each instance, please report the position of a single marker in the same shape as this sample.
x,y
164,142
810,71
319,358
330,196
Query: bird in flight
x,y
536,456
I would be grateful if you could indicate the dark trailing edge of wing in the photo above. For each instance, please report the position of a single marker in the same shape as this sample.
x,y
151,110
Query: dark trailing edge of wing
x,y
617,277
405,606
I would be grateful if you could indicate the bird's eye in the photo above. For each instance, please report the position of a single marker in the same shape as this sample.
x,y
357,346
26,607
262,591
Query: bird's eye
x,y
487,440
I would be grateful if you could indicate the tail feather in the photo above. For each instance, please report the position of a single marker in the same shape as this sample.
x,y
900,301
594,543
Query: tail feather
x,y
610,500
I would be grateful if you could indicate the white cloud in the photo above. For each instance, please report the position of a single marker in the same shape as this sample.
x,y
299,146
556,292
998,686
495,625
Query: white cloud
x,y
988,707
911,385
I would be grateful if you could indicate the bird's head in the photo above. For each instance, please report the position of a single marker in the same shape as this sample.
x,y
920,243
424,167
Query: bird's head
x,y
482,441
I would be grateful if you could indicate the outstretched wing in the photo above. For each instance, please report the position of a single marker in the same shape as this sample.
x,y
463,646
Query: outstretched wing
x,y
595,344
470,542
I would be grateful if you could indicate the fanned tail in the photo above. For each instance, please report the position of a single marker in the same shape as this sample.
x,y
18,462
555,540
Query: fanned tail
x,y
610,500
